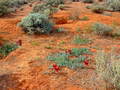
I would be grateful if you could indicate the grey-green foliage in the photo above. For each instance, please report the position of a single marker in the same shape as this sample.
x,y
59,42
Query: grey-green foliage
x,y
7,48
97,8
80,51
44,8
6,6
79,40
88,1
113,5
63,58
54,2
36,23
101,29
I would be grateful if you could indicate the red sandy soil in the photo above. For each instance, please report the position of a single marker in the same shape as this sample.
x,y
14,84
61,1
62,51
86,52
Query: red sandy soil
x,y
27,69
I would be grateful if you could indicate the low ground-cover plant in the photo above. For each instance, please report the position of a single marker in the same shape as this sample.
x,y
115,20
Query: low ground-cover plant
x,y
7,48
72,59
108,68
79,40
102,29
85,18
36,23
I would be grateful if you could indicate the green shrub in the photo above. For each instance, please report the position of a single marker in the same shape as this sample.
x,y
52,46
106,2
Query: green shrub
x,y
108,67
88,1
113,5
7,6
102,29
45,9
36,24
7,48
97,8
54,2
63,59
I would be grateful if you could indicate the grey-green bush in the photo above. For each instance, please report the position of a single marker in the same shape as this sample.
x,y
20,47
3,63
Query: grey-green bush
x,y
36,23
54,2
113,5
88,1
102,29
97,8
44,8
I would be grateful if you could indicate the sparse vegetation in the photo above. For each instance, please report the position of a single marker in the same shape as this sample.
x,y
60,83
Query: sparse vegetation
x,y
108,67
79,40
85,18
102,29
63,58
97,8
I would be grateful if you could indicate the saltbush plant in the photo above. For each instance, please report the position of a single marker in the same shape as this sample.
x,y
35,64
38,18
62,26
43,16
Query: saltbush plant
x,y
88,1
7,6
54,3
102,29
45,9
36,23
108,68
97,8
113,5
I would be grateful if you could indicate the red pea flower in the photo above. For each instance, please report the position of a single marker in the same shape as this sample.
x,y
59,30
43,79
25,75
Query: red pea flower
x,y
68,51
19,42
56,68
86,62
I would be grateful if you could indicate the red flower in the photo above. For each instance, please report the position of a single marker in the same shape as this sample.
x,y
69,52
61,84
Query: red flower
x,y
86,62
68,51
56,68
19,42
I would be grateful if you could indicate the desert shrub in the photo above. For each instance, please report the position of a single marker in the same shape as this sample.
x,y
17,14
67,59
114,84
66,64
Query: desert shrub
x,y
97,8
88,1
36,24
54,2
108,68
7,48
113,5
45,9
7,6
64,59
102,29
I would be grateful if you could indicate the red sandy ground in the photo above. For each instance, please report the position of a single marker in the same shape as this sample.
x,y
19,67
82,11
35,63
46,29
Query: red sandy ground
x,y
27,69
